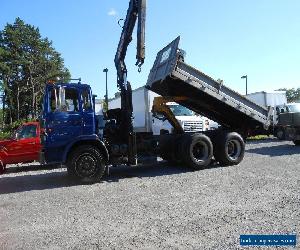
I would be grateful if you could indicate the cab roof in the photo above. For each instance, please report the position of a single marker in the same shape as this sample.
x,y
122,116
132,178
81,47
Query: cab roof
x,y
74,85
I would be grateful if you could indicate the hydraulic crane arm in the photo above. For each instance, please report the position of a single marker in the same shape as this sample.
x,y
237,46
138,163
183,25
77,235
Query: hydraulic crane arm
x,y
124,133
160,107
136,10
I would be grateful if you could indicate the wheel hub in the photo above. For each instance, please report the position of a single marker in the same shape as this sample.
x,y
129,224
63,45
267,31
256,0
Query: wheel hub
x,y
234,149
86,165
200,151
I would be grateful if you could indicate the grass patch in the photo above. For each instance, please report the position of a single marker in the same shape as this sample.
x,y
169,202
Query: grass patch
x,y
258,137
4,135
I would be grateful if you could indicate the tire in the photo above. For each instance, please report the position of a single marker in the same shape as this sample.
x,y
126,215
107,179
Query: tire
x,y
196,151
229,149
280,134
297,142
86,164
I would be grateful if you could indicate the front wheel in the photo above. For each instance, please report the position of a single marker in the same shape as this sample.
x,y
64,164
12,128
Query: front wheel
x,y
86,164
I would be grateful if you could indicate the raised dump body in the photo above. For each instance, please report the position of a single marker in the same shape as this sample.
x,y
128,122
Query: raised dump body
x,y
171,76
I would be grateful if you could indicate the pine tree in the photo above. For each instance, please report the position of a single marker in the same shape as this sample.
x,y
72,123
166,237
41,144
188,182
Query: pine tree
x,y
27,62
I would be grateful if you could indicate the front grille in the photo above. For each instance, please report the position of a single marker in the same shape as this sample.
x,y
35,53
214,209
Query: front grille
x,y
193,126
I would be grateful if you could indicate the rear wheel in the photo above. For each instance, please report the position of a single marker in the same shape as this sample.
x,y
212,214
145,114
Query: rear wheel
x,y
297,142
229,149
196,151
86,164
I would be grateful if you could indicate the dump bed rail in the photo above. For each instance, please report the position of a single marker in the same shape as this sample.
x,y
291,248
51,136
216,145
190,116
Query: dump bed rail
x,y
170,76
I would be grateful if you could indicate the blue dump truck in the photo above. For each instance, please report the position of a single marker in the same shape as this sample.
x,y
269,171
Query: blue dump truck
x,y
70,129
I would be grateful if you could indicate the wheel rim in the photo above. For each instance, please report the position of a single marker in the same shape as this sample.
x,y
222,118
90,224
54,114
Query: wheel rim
x,y
200,151
86,165
233,149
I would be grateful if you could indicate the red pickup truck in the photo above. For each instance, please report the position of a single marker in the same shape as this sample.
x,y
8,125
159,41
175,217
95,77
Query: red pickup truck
x,y
23,146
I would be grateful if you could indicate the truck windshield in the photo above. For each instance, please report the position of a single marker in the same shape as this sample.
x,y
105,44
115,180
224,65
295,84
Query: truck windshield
x,y
179,110
64,100
294,108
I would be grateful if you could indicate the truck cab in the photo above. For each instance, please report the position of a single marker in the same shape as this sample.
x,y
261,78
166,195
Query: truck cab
x,y
190,121
288,122
68,119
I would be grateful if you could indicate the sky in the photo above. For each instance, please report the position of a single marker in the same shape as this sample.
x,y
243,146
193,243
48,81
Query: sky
x,y
224,39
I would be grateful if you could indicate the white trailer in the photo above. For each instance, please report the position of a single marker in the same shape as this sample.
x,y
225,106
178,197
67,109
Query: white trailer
x,y
270,98
143,120
99,107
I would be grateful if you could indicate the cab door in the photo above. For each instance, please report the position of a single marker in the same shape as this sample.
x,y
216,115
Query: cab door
x,y
64,120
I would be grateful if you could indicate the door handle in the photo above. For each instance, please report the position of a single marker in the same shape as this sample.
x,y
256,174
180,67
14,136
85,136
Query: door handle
x,y
31,143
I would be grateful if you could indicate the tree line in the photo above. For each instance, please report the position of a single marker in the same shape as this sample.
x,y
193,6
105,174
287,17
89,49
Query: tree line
x,y
292,95
27,62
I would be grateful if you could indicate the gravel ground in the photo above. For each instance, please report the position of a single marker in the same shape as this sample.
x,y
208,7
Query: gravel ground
x,y
154,207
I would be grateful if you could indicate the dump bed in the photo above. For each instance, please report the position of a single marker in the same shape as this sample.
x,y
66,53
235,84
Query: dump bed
x,y
170,76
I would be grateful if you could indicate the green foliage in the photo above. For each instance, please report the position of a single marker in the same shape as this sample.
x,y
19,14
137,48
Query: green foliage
x,y
258,137
7,131
27,62
13,126
292,95
1,116
104,105
4,135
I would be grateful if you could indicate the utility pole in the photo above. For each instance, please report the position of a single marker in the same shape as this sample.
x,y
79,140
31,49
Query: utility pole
x,y
106,91
246,77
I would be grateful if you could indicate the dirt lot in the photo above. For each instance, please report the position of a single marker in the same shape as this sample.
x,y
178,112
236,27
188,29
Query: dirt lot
x,y
154,207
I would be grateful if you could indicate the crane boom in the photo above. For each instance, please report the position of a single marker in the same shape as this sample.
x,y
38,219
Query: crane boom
x,y
136,10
